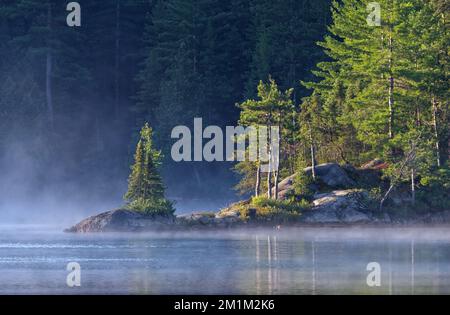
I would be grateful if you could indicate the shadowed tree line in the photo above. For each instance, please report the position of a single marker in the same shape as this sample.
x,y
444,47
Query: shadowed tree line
x,y
76,97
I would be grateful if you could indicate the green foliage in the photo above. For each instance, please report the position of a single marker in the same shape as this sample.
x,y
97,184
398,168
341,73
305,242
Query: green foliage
x,y
435,189
152,206
383,92
283,34
87,140
195,58
279,210
354,87
145,187
283,205
372,201
272,108
247,171
302,186
267,210
203,56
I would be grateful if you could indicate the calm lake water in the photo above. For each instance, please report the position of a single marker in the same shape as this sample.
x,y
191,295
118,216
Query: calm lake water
x,y
295,261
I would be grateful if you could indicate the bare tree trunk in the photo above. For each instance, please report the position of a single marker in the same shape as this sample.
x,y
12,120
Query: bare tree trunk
x,y
436,132
276,184
269,177
313,155
313,161
409,157
413,173
258,180
276,160
49,66
269,173
383,200
269,185
117,64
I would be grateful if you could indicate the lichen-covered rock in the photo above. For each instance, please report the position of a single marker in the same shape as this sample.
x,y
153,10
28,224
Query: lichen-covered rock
x,y
353,216
321,217
331,174
335,207
202,218
233,210
338,199
131,221
340,206
207,219
285,187
122,220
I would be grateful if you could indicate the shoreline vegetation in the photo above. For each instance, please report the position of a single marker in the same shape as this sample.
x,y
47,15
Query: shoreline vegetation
x,y
341,197
380,95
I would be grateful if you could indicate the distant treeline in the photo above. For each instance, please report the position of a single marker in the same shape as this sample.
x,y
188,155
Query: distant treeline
x,y
78,95
82,93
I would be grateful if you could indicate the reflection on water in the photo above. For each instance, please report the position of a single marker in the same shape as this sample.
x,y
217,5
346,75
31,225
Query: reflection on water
x,y
298,261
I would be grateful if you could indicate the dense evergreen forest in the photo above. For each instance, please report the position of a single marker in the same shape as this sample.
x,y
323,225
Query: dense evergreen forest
x,y
382,93
73,99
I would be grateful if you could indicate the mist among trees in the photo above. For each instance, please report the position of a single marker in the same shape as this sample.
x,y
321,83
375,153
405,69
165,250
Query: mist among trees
x,y
73,99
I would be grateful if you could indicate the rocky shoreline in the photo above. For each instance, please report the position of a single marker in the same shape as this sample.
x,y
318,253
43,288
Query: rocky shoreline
x,y
341,204
338,208
121,220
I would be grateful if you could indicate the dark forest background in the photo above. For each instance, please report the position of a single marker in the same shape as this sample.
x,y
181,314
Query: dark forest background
x,y
72,99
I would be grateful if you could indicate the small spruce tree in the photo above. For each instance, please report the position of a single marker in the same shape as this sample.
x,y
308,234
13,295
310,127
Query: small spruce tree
x,y
145,187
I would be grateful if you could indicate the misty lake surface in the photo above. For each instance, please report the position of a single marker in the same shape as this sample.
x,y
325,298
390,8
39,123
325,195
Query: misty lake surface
x,y
33,260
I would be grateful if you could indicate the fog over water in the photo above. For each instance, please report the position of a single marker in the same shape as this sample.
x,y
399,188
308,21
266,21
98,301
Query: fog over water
x,y
33,259
35,191
34,252
73,100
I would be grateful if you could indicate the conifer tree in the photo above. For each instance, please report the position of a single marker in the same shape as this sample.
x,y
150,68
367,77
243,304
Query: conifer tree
x,y
273,108
311,122
145,187
280,45
379,84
